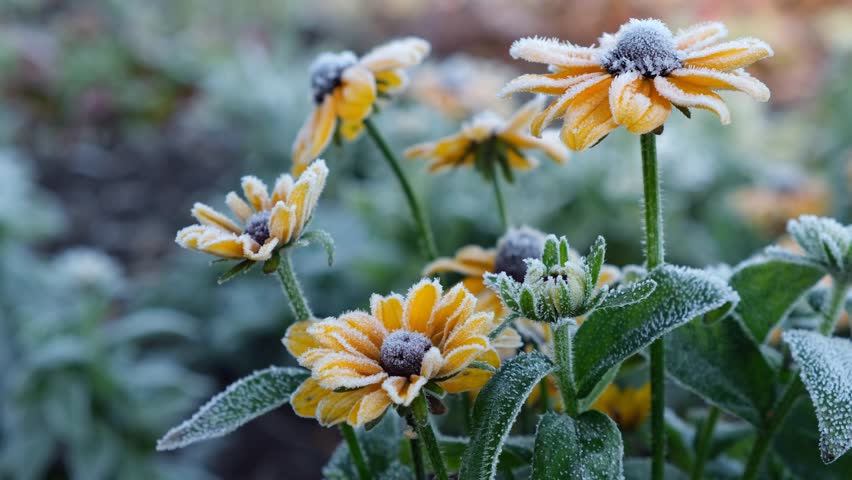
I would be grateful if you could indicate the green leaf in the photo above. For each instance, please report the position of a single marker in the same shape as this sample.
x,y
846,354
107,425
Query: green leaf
x,y
825,365
631,293
595,259
243,400
496,408
586,403
588,446
797,445
640,469
271,265
528,303
769,286
721,363
381,447
323,238
550,257
610,335
517,451
242,267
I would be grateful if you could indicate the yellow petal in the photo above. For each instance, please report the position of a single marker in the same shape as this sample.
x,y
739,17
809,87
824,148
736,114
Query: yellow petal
x,y
388,310
208,216
553,52
283,185
729,55
467,380
315,135
223,246
700,36
390,81
587,86
419,305
589,118
306,398
686,94
368,325
460,357
256,193
403,391
520,162
237,205
472,326
356,94
370,407
636,104
714,79
297,340
455,307
396,54
282,222
339,335
335,407
549,83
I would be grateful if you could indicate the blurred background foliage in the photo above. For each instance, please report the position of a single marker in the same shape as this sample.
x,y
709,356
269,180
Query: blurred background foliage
x,y
116,115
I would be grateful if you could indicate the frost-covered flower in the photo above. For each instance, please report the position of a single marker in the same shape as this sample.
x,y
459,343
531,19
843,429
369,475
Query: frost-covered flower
x,y
627,406
635,76
489,138
825,242
89,268
267,222
345,89
362,363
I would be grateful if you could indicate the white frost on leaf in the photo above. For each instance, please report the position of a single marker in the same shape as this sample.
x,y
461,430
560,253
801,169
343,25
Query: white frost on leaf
x,y
243,400
826,370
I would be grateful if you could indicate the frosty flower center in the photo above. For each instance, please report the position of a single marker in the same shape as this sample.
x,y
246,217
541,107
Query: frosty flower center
x,y
644,46
257,226
326,72
517,245
403,352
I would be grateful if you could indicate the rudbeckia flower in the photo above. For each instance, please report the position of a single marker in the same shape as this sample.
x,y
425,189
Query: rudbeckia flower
x,y
266,222
362,363
508,140
345,89
626,406
635,76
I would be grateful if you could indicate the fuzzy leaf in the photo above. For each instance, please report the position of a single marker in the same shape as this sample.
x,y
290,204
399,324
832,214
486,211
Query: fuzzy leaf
x,y
242,267
631,293
769,286
323,238
595,259
797,445
610,335
550,257
826,369
528,303
496,408
243,400
517,451
588,446
724,366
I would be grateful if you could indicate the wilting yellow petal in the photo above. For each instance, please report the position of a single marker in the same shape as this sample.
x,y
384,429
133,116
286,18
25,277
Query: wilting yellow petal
x,y
700,36
686,94
589,118
315,135
588,85
402,53
282,222
729,55
553,52
716,80
636,104
335,407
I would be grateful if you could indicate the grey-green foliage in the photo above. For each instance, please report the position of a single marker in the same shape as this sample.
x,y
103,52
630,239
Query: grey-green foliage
x,y
583,448
80,394
769,286
825,241
559,286
826,369
243,401
496,408
723,365
610,335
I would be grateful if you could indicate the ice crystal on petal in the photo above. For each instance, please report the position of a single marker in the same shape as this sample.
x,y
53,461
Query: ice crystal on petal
x,y
826,370
326,72
644,46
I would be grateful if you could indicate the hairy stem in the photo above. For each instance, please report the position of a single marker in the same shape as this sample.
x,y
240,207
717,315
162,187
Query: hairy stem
x,y
292,289
782,408
428,241
501,204
355,451
702,448
425,434
564,367
653,258
417,458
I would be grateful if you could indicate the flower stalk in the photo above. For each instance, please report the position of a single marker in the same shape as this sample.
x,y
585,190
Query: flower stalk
x,y
654,258
426,435
793,390
355,451
564,371
705,437
427,240
292,289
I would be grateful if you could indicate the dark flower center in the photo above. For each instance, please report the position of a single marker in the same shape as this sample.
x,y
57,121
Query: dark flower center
x,y
518,244
403,352
257,226
326,72
644,46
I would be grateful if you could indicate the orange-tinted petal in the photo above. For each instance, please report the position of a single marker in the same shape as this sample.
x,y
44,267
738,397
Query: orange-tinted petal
x,y
315,135
729,55
700,36
589,118
419,305
714,79
686,94
636,105
297,340
388,310
370,407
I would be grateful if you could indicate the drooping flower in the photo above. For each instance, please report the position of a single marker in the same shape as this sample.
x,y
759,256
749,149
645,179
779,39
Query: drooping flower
x,y
488,138
635,76
627,406
266,222
345,89
362,363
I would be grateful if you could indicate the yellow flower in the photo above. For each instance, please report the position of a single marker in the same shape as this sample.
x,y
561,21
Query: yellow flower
x,y
461,149
635,76
345,89
362,363
627,406
266,222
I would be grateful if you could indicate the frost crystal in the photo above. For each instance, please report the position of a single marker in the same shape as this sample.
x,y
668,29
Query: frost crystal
x,y
402,353
326,72
826,370
644,46
257,226
517,245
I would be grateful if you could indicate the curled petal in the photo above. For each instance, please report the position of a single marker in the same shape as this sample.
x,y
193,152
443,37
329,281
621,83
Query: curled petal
x,y
237,205
589,118
559,108
370,407
419,305
716,80
388,310
315,135
459,358
547,84
256,252
283,185
636,105
729,55
401,53
211,240
282,222
700,36
297,340
431,364
403,391
256,193
688,95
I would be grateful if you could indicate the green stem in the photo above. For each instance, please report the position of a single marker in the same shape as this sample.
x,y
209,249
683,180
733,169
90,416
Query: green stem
x,y
416,211
355,451
545,394
564,367
467,404
776,416
425,434
501,204
291,287
653,258
417,458
702,448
